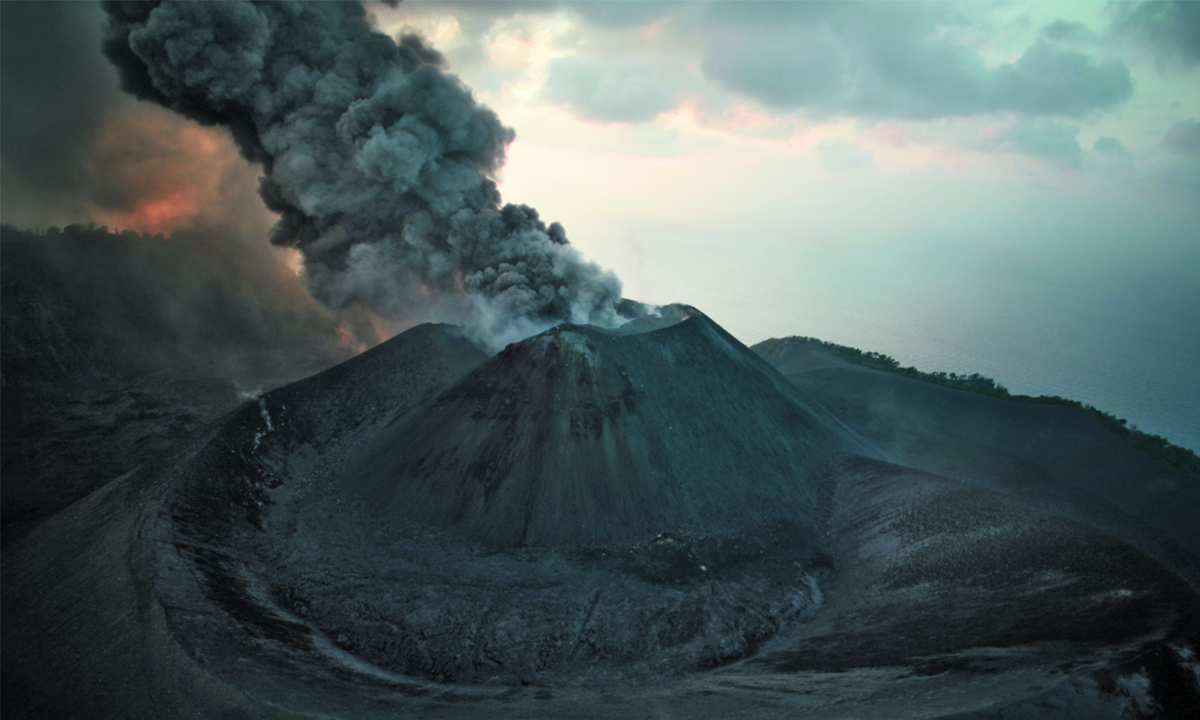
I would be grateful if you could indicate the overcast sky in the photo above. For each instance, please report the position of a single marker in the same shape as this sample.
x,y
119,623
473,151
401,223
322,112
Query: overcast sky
x,y
721,154
714,152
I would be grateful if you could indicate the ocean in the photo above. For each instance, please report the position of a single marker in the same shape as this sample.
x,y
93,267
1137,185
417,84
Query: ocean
x,y
1119,331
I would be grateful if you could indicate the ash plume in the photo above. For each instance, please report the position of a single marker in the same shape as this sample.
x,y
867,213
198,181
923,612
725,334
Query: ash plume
x,y
380,164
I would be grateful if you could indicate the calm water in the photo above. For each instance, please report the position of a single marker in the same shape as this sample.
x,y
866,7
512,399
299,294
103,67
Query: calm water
x,y
1120,332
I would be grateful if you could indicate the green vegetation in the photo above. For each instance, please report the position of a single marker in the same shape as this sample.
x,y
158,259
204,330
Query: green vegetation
x,y
1155,446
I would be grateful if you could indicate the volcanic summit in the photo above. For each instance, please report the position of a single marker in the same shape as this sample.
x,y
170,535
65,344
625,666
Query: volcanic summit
x,y
646,515
581,435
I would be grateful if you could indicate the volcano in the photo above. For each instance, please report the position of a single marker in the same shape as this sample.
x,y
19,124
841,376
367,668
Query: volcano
x,y
582,435
591,522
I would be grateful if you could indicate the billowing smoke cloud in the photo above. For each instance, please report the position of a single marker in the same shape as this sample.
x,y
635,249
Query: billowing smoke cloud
x,y
380,164
184,279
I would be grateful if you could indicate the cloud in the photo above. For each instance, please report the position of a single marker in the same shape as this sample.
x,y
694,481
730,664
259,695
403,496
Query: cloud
x,y
840,155
621,14
1065,31
881,61
76,150
475,22
1183,174
885,61
381,166
620,91
1170,29
1047,80
1184,138
1110,146
1041,138
1111,156
805,67
56,95
191,302
611,14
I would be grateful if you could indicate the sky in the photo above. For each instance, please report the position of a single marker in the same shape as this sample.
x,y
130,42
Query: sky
x,y
757,138
965,186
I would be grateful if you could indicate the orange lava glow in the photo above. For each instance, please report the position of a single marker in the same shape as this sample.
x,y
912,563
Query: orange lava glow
x,y
363,331
163,171
381,328
164,214
347,340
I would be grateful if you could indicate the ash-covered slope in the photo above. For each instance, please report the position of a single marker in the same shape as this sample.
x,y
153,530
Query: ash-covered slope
x,y
667,527
1014,446
1060,460
580,435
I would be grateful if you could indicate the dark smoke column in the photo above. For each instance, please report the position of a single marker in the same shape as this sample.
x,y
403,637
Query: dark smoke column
x,y
380,164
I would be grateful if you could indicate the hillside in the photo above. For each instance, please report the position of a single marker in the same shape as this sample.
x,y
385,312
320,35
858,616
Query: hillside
x,y
969,430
